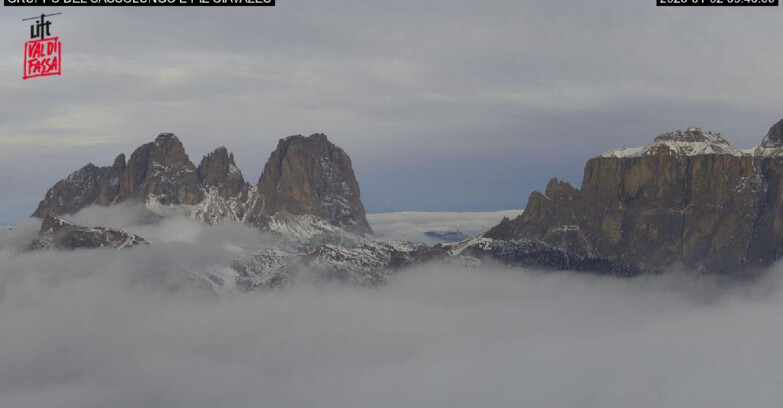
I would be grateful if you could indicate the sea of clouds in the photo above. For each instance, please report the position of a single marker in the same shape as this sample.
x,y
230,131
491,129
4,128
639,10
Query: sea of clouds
x,y
413,225
129,329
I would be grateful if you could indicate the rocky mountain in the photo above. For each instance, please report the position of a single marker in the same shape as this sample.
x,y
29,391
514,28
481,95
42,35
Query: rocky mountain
x,y
90,185
219,171
310,175
772,144
161,170
307,196
57,233
307,179
688,200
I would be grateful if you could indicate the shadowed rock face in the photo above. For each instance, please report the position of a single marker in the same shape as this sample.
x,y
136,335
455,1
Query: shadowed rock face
x,y
158,169
57,233
692,202
774,138
219,170
163,170
304,176
87,186
311,175
772,145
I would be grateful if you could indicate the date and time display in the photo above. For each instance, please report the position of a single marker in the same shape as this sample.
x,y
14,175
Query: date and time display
x,y
773,3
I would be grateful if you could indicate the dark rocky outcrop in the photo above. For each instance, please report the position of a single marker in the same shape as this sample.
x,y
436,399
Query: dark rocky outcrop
x,y
689,200
57,233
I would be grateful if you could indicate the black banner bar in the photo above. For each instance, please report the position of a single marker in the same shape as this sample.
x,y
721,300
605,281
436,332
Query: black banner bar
x,y
716,3
138,3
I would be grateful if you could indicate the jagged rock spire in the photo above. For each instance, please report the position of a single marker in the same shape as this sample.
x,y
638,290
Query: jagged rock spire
x,y
218,170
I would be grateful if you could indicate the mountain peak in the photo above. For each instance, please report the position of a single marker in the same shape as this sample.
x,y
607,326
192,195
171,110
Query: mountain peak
x,y
311,175
89,185
691,135
319,137
690,142
166,138
119,163
297,139
162,170
218,169
774,138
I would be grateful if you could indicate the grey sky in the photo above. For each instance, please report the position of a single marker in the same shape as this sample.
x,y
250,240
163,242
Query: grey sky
x,y
442,105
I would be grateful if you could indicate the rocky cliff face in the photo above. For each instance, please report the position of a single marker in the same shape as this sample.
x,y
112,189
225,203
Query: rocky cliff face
x,y
305,176
218,170
688,200
159,171
162,171
90,185
310,175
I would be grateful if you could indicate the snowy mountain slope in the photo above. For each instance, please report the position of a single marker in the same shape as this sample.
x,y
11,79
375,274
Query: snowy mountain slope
x,y
691,142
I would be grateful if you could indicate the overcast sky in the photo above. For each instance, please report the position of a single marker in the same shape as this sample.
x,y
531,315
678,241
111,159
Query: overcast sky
x,y
444,105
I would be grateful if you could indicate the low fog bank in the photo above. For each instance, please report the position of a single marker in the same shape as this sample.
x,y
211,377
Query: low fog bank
x,y
4,231
138,220
125,329
182,251
412,225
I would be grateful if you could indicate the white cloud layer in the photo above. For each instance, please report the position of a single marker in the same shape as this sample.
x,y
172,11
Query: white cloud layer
x,y
130,329
412,226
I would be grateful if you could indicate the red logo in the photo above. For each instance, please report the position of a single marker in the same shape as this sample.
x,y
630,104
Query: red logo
x,y
42,57
43,53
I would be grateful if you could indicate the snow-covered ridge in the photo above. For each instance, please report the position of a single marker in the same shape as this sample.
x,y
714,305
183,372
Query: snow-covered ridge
x,y
691,142
213,209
